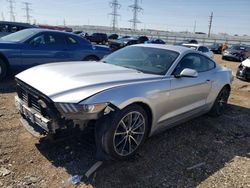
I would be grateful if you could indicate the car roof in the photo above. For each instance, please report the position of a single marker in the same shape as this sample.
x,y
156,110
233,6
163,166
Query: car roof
x,y
50,30
179,49
192,45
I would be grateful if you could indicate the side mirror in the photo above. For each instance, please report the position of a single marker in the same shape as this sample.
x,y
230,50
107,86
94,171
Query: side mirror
x,y
190,73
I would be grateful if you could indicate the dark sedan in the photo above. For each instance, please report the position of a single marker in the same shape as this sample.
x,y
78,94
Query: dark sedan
x,y
122,42
31,47
236,52
216,48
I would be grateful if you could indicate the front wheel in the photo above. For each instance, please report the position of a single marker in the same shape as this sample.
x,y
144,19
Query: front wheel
x,y
220,103
3,70
126,132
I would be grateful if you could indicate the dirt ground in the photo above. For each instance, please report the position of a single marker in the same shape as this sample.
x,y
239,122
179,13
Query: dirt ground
x,y
219,147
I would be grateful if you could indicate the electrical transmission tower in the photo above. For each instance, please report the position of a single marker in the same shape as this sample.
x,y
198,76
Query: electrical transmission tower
x,y
27,10
115,5
135,9
11,11
210,24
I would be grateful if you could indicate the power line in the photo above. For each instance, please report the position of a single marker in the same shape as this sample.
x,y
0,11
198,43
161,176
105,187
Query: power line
x,y
210,24
27,10
11,11
135,9
115,5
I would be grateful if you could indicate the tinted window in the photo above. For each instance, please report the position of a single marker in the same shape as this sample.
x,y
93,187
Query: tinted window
x,y
203,49
48,39
196,62
144,59
71,40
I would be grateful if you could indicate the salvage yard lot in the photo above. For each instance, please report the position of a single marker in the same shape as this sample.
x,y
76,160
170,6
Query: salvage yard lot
x,y
204,152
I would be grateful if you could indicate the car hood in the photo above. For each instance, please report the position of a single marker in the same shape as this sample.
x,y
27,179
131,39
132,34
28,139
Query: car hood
x,y
73,82
246,62
9,45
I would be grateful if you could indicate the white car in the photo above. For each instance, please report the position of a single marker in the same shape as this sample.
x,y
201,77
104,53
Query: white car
x,y
200,48
243,71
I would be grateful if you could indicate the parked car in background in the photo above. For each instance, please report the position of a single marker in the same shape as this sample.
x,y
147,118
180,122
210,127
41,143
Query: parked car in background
x,y
243,71
155,41
98,38
55,27
31,47
131,95
236,52
216,48
122,42
12,27
191,41
142,39
200,48
113,36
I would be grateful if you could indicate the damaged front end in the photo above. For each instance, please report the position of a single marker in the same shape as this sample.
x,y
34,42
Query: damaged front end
x,y
42,117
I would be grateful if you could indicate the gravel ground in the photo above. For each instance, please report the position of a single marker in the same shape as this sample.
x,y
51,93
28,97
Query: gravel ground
x,y
204,152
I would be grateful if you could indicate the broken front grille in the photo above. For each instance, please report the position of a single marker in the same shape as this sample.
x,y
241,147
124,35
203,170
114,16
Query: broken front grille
x,y
31,100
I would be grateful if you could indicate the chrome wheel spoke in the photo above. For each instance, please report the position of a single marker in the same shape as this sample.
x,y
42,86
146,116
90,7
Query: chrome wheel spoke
x,y
138,126
125,143
130,120
129,146
121,141
139,133
124,125
135,121
134,140
120,133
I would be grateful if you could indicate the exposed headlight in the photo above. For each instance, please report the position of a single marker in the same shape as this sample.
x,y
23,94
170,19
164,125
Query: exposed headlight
x,y
69,108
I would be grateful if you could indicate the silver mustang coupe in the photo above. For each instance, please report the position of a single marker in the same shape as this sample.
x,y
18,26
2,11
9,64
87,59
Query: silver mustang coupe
x,y
130,95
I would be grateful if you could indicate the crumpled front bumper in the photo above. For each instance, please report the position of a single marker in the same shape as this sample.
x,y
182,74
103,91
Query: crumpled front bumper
x,y
34,122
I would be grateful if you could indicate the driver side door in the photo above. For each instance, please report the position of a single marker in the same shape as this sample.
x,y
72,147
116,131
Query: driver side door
x,y
188,95
45,47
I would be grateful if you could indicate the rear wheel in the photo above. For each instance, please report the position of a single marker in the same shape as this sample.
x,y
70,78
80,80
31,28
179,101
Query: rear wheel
x,y
3,69
221,102
126,131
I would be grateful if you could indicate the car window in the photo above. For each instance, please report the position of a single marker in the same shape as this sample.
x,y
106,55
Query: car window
x,y
203,49
48,39
71,40
145,59
196,62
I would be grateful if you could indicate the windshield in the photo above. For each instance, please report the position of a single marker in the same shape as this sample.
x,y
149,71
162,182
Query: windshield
x,y
237,48
19,36
144,59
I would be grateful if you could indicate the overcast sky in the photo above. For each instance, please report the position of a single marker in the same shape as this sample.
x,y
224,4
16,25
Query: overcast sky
x,y
230,16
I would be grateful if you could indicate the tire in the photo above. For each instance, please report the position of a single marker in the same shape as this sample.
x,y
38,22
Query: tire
x,y
3,69
220,103
122,138
91,58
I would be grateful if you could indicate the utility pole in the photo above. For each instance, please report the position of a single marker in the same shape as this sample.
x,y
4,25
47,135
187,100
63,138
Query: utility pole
x,y
27,10
210,24
115,5
135,9
194,26
11,11
64,22
3,19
